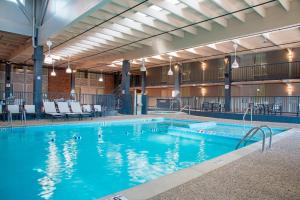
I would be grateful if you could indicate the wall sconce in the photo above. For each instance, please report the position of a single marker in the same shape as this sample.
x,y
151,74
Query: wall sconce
x,y
290,89
290,55
203,65
226,61
203,91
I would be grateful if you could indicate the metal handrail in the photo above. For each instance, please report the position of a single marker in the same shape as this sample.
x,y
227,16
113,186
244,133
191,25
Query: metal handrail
x,y
185,107
254,130
244,116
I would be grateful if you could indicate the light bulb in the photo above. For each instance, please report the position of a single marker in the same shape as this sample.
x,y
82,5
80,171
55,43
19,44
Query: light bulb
x,y
53,73
49,43
100,78
235,64
170,72
68,70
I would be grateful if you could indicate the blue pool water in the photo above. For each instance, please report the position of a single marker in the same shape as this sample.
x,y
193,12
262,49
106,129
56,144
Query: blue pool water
x,y
48,162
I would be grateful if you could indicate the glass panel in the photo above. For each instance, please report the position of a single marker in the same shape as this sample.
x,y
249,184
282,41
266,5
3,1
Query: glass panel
x,y
164,74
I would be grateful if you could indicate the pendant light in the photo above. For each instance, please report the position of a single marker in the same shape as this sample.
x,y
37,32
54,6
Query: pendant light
x,y
53,73
48,58
170,72
143,67
235,64
100,78
69,70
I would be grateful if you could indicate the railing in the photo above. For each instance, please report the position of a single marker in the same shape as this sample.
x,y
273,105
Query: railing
x,y
276,71
288,104
106,100
252,132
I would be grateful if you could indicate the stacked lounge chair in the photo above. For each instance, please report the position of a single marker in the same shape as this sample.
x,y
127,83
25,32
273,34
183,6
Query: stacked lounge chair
x,y
64,108
76,108
50,109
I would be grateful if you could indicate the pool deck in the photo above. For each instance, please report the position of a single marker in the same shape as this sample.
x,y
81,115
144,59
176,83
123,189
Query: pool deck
x,y
243,174
274,174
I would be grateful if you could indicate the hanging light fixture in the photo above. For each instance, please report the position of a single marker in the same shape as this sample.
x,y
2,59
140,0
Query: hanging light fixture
x,y
170,72
235,64
48,58
143,67
69,70
53,73
100,78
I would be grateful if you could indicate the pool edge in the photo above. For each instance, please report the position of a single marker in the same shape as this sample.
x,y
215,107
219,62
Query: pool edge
x,y
165,183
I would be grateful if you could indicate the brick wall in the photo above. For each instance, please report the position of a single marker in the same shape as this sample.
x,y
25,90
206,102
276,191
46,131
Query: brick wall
x,y
108,84
61,83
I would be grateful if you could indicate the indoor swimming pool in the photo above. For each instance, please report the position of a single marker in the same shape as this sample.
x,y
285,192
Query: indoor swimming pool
x,y
92,160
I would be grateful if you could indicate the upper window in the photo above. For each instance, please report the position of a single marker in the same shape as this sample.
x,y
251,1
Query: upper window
x,y
186,72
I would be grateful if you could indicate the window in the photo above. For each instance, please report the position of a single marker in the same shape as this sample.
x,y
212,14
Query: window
x,y
164,74
186,72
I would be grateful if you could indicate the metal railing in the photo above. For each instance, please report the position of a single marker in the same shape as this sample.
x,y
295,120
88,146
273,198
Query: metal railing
x,y
260,104
274,71
252,132
106,100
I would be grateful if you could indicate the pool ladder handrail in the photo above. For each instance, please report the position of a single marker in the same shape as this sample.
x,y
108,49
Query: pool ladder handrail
x,y
254,130
184,107
244,116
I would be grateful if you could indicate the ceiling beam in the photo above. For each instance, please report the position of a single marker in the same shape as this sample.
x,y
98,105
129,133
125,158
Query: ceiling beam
x,y
204,10
229,7
259,10
285,4
182,13
64,15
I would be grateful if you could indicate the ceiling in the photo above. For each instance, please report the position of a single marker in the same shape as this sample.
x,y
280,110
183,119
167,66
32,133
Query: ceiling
x,y
158,29
11,44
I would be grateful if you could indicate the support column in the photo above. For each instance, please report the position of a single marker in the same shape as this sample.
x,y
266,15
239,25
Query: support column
x,y
227,82
126,106
72,92
177,84
38,59
8,86
144,96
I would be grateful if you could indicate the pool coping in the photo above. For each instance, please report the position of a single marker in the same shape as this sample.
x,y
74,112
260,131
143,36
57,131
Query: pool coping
x,y
167,182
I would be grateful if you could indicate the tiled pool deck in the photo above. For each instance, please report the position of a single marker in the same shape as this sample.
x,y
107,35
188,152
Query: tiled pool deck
x,y
243,174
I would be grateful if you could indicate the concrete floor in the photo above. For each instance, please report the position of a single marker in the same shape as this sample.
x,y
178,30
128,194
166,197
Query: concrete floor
x,y
273,175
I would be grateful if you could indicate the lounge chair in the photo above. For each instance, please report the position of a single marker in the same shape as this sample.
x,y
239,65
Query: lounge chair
x,y
30,110
205,106
88,109
76,108
64,108
216,107
276,108
13,110
49,109
98,109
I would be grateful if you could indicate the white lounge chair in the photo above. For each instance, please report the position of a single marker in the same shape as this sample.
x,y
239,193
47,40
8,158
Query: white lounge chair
x,y
63,107
49,109
98,109
30,109
13,110
76,108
